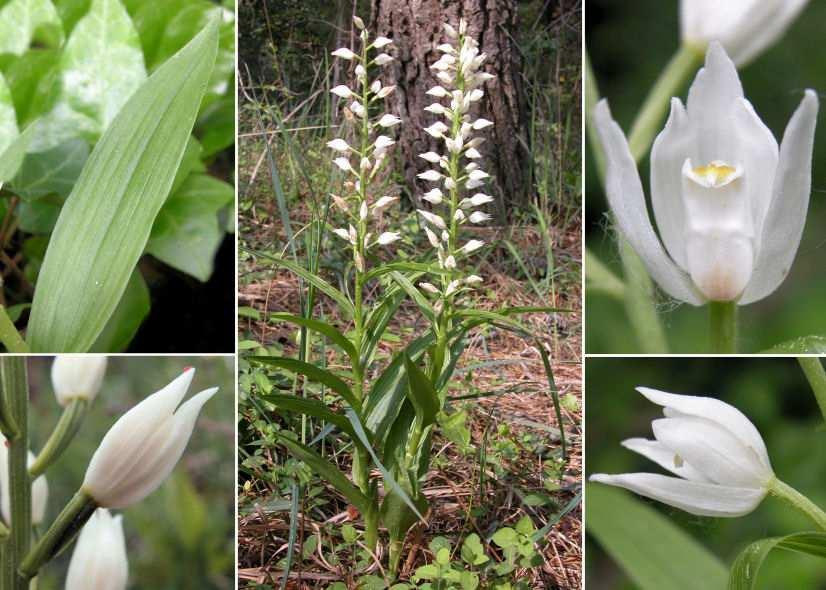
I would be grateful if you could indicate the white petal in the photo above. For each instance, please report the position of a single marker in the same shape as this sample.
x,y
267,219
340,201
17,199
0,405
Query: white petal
x,y
712,450
713,409
388,237
388,120
382,59
338,145
77,377
665,457
381,42
437,91
627,200
342,91
344,53
786,216
702,499
99,558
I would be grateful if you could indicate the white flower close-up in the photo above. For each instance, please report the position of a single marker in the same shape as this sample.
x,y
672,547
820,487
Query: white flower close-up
x,y
99,559
729,205
720,461
142,448
744,27
77,377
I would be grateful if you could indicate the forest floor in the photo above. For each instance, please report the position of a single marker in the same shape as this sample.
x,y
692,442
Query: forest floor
x,y
514,466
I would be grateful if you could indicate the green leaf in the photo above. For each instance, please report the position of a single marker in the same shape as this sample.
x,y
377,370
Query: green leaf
x,y
316,281
311,372
328,471
311,407
12,158
127,318
187,234
106,221
31,78
814,344
22,21
653,551
216,125
8,117
745,568
322,328
473,552
100,68
505,537
415,295
53,172
39,216
421,393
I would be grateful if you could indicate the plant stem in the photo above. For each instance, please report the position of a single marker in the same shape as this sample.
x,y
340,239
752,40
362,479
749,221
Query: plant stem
x,y
9,335
723,326
70,422
649,119
798,501
813,369
63,531
16,399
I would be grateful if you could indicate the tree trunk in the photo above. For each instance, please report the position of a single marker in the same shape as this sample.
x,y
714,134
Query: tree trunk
x,y
416,29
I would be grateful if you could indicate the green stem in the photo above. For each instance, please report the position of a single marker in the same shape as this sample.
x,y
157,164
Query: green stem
x,y
70,422
813,369
723,326
63,531
16,399
9,335
672,79
798,501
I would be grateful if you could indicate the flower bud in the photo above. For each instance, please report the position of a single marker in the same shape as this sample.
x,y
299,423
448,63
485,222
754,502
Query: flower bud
x,y
99,559
77,377
40,488
144,445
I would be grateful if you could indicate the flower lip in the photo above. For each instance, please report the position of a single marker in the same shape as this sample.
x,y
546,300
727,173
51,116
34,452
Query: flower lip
x,y
715,174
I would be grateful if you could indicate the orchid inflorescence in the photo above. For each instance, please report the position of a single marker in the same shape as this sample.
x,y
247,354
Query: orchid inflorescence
x,y
365,161
460,80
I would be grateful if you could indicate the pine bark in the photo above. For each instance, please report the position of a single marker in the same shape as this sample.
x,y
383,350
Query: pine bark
x,y
416,29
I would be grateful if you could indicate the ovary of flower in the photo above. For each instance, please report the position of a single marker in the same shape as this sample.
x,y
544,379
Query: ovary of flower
x,y
429,287
382,59
381,42
438,92
744,27
431,157
344,53
718,455
432,218
338,145
480,124
388,237
479,217
40,488
388,120
430,175
730,207
432,238
140,450
99,558
383,203
77,377
342,91
472,246
344,164
434,196
436,130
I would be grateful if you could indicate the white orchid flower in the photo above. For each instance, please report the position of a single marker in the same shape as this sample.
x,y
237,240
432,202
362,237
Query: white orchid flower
x,y
344,53
729,208
744,27
142,448
99,559
719,458
77,377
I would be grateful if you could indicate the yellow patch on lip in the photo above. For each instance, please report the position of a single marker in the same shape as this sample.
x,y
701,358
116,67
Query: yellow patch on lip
x,y
716,173
678,461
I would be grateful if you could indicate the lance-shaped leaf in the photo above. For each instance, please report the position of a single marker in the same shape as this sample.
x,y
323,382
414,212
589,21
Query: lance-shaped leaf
x,y
312,373
744,570
328,471
322,328
421,394
311,407
105,223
